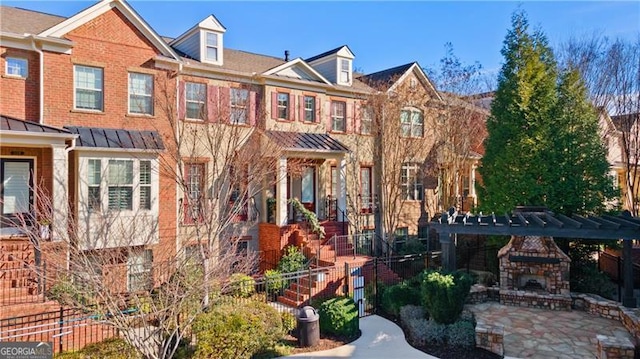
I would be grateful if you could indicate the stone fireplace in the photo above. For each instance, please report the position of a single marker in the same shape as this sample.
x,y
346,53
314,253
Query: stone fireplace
x,y
534,272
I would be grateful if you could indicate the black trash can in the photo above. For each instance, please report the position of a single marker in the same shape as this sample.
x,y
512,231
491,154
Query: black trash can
x,y
308,327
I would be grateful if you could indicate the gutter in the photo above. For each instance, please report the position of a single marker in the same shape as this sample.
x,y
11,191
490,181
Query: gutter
x,y
41,81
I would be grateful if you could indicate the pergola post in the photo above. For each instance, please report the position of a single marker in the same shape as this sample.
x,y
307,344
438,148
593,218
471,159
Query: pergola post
x,y
448,248
628,300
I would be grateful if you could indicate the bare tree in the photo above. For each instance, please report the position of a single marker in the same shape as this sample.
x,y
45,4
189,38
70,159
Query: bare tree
x,y
611,71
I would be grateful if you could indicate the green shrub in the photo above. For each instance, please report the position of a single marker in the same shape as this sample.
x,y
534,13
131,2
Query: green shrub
x,y
424,331
461,334
289,322
468,316
115,348
412,246
410,312
339,316
242,285
587,279
237,331
399,295
444,295
274,280
292,261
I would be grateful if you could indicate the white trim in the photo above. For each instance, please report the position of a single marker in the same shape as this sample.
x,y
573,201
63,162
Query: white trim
x,y
34,139
421,75
24,42
219,47
26,67
75,104
102,7
297,62
151,96
209,23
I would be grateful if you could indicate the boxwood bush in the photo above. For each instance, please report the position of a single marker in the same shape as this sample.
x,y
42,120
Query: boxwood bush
x,y
339,316
444,295
241,285
237,331
461,334
399,295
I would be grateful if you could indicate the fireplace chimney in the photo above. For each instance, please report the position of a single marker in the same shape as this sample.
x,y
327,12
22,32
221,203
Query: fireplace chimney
x,y
286,55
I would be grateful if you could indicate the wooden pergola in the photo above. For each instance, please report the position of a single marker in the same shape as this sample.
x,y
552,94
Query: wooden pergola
x,y
538,221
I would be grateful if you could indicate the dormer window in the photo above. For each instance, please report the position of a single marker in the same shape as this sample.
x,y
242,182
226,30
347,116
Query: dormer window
x,y
211,46
345,71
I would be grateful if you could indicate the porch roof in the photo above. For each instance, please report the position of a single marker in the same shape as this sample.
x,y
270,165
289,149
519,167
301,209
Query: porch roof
x,y
13,124
117,138
539,222
312,142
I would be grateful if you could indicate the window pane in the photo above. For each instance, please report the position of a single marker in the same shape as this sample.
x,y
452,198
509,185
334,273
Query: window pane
x,y
140,93
309,109
94,172
145,172
120,198
196,92
212,53
212,39
121,172
195,110
283,105
88,87
145,197
94,198
17,67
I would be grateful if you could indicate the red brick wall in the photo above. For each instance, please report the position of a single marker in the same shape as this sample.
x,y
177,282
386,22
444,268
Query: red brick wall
x,y
19,97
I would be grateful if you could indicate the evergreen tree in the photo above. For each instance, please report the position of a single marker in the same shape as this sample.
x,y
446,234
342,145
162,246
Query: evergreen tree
x,y
543,146
578,177
516,149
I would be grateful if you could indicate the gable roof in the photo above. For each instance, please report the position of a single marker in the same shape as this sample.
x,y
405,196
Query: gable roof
x,y
297,63
390,78
386,76
21,21
208,23
92,12
330,52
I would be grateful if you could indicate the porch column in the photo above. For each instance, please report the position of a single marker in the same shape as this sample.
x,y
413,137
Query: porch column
x,y
472,185
281,193
342,190
60,193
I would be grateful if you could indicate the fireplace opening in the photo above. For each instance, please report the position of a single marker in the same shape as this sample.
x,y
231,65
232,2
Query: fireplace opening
x,y
534,283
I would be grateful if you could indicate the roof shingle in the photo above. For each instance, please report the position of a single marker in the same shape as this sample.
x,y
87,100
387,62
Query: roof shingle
x,y
22,21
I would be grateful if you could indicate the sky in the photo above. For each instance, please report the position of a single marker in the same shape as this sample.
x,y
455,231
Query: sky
x,y
381,34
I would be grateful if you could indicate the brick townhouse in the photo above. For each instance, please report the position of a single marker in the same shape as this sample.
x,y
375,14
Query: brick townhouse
x,y
104,135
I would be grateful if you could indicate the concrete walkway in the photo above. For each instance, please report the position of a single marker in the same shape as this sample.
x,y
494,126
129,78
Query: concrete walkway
x,y
380,338
538,333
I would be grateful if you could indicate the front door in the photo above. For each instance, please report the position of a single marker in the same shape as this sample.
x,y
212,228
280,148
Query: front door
x,y
16,193
308,188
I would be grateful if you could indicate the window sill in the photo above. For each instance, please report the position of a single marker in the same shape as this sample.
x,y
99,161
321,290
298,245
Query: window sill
x,y
338,132
284,120
193,120
91,112
140,115
14,77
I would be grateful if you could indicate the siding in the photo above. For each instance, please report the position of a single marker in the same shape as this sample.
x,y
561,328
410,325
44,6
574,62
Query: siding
x,y
191,46
327,69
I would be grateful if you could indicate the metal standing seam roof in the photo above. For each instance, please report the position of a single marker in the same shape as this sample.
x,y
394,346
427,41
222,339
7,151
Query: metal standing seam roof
x,y
117,138
306,141
14,124
542,223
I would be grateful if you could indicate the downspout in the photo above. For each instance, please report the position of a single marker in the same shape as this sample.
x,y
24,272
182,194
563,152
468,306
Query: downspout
x,y
177,169
41,81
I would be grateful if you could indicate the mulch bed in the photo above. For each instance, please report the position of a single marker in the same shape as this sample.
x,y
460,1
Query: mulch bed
x,y
326,342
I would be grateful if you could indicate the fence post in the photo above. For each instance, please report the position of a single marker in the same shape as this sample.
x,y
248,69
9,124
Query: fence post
x,y
347,278
60,329
310,286
42,283
375,285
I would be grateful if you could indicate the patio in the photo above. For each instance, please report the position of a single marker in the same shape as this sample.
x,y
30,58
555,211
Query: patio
x,y
540,333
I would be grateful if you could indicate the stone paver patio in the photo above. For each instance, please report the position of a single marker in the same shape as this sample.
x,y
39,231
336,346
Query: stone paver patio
x,y
538,333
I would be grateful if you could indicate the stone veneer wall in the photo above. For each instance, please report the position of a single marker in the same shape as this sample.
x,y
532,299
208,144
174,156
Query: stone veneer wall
x,y
520,298
490,337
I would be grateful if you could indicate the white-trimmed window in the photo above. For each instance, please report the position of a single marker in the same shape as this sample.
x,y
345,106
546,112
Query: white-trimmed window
x,y
140,93
411,182
119,184
366,190
338,116
94,181
17,67
88,88
283,106
211,47
411,123
196,97
366,121
239,104
309,109
345,71
140,263
194,198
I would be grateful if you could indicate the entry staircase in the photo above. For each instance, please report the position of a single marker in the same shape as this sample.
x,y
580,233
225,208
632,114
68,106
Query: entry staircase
x,y
328,258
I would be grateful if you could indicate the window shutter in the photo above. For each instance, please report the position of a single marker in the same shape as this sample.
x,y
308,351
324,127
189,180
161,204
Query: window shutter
x,y
327,111
348,125
301,111
182,106
274,105
318,114
225,105
292,107
252,108
213,111
356,115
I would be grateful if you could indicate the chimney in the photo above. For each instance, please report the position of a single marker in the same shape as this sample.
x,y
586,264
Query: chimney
x,y
286,55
